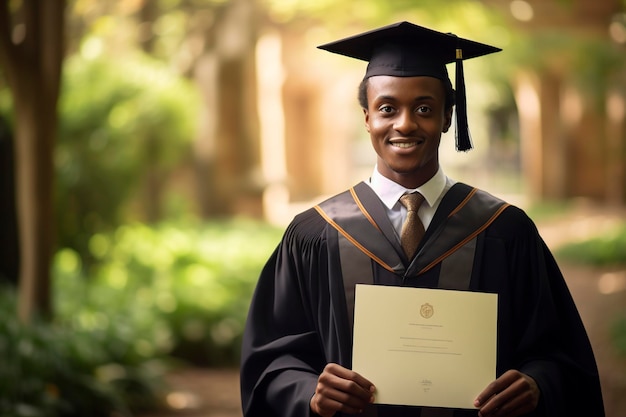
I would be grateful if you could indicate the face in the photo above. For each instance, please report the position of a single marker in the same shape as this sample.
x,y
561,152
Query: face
x,y
405,118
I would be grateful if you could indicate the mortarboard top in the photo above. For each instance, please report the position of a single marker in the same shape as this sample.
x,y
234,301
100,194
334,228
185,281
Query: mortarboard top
x,y
406,50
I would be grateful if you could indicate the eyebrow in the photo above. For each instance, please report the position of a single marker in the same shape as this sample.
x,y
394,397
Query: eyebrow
x,y
392,98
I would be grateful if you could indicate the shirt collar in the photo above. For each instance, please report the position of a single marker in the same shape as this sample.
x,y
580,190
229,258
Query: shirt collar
x,y
389,192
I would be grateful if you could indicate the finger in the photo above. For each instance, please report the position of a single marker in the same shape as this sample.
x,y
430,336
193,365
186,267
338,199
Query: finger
x,y
520,397
514,408
349,374
328,407
496,386
343,390
348,381
329,399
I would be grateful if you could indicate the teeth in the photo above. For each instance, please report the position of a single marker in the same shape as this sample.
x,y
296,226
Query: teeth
x,y
404,144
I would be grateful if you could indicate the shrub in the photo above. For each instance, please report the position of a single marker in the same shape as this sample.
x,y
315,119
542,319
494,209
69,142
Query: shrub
x,y
607,250
49,370
171,289
122,121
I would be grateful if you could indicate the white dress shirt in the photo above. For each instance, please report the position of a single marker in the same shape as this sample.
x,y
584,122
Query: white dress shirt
x,y
390,192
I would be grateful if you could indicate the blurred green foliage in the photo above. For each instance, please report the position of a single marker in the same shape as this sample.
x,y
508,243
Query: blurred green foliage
x,y
173,289
158,295
618,333
120,121
606,250
51,370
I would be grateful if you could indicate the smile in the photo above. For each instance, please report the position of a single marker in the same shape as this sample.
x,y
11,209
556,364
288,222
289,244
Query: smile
x,y
406,142
403,144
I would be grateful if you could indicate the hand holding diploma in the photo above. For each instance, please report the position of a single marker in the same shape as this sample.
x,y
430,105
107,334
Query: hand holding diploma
x,y
341,390
425,347
512,395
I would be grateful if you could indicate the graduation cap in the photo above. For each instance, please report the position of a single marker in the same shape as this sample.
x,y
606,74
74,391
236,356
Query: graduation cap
x,y
406,50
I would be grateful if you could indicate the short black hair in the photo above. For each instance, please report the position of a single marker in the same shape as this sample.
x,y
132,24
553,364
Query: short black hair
x,y
449,91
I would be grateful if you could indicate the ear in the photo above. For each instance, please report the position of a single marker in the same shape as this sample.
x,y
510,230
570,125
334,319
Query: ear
x,y
366,113
447,122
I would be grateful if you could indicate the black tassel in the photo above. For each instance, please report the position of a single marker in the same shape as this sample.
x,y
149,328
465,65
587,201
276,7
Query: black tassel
x,y
463,139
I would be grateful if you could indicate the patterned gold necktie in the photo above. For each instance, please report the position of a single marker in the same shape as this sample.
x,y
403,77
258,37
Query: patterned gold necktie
x,y
412,228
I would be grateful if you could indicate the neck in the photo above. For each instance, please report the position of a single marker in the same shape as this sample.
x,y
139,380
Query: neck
x,y
411,180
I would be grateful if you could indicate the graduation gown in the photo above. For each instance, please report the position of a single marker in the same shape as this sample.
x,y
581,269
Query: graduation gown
x,y
300,317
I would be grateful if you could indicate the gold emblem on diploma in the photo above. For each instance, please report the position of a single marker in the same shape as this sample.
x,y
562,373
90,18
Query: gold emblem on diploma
x,y
427,311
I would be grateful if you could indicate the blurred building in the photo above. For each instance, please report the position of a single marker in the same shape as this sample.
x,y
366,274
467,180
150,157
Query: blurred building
x,y
572,129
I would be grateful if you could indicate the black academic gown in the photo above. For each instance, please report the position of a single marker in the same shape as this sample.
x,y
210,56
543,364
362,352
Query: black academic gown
x,y
298,319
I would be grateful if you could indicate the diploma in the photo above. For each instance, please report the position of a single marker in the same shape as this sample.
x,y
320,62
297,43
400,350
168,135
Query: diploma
x,y
425,347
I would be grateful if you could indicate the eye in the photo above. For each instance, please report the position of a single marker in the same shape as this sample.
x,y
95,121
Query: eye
x,y
386,109
423,109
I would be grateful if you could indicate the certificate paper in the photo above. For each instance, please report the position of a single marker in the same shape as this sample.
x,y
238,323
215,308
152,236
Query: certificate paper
x,y
425,347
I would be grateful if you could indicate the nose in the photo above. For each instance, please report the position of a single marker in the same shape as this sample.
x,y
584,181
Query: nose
x,y
406,122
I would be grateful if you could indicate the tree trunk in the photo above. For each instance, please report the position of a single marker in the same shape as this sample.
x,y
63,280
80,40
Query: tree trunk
x,y
9,255
33,70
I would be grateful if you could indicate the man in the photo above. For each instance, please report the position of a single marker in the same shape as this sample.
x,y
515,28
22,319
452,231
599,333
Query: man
x,y
296,353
